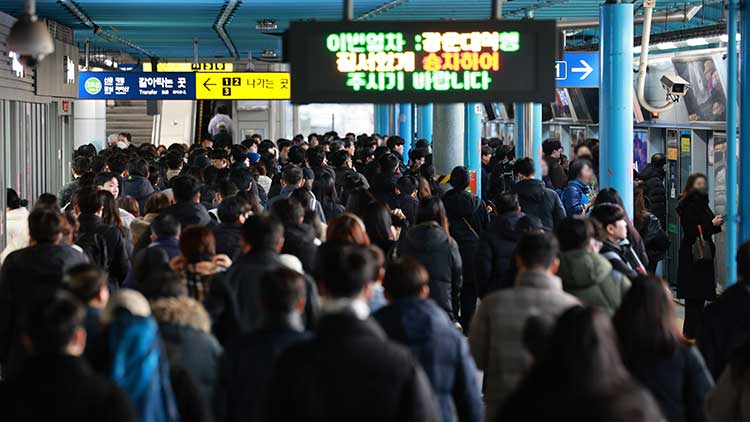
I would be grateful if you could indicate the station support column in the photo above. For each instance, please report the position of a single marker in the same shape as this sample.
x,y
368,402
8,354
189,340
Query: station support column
x,y
424,122
448,137
520,129
731,218
744,124
616,100
381,119
473,143
406,127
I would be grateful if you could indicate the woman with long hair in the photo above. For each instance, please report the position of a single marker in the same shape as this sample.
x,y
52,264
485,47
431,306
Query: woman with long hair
x,y
17,216
696,279
656,353
429,241
324,189
611,196
379,224
111,217
655,239
199,262
579,376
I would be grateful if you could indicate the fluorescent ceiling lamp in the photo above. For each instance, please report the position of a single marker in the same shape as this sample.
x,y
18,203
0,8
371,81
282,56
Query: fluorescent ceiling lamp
x,y
696,42
666,46
725,37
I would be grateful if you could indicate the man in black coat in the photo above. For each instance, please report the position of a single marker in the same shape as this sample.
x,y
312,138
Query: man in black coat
x,y
56,383
137,184
415,321
232,213
349,371
27,275
468,218
495,267
233,302
115,258
653,187
299,237
535,199
726,322
187,208
246,369
552,151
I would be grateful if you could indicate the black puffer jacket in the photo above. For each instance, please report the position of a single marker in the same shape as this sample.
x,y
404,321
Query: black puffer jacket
x,y
228,239
494,258
535,199
118,256
438,252
725,327
299,240
139,188
655,192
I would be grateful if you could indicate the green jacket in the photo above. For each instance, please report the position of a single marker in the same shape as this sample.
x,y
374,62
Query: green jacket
x,y
590,278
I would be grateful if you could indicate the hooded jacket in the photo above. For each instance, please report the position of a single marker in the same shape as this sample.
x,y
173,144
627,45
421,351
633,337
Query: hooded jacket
x,y
725,327
189,213
590,278
655,191
575,198
535,199
139,188
438,252
494,257
441,349
185,327
496,333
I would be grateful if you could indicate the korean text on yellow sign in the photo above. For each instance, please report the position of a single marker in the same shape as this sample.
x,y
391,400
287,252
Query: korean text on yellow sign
x,y
189,67
243,86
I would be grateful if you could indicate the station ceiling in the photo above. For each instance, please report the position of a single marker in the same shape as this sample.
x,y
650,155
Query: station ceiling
x,y
166,28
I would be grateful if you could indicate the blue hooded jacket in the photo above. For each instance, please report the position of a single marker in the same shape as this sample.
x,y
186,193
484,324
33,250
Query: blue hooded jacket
x,y
574,197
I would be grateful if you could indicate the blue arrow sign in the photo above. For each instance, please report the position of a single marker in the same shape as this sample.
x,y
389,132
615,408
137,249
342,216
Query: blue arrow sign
x,y
578,70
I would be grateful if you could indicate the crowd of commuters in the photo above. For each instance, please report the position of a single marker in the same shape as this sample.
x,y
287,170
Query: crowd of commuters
x,y
331,278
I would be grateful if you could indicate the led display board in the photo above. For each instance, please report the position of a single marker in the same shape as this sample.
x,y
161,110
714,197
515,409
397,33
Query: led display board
x,y
420,62
189,67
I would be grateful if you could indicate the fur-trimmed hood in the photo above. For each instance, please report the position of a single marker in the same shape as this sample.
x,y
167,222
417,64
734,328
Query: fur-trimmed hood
x,y
183,311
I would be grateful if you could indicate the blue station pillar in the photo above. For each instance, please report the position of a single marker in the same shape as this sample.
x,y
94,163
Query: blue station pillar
x,y
731,219
424,122
744,124
381,119
520,129
537,142
473,142
616,100
406,127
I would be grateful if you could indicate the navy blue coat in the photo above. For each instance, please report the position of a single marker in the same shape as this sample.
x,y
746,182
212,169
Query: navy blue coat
x,y
441,350
574,198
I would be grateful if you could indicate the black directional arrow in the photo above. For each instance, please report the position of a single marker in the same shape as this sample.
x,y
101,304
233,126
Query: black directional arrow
x,y
206,85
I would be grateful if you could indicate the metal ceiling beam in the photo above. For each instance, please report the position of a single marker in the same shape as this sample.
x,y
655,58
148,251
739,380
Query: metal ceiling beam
x,y
380,9
84,18
682,15
225,16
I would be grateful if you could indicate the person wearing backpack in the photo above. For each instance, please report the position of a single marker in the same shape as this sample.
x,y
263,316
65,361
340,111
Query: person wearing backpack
x,y
103,243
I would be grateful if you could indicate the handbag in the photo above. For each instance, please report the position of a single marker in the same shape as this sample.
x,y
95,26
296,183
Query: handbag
x,y
701,250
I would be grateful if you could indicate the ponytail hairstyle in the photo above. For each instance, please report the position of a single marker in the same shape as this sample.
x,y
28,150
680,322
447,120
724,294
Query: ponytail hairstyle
x,y
13,201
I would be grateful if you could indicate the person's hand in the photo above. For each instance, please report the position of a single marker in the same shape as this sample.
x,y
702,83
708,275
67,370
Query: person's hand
x,y
222,261
398,214
718,220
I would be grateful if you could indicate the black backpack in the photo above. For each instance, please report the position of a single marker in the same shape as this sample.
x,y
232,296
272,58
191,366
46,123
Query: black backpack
x,y
94,245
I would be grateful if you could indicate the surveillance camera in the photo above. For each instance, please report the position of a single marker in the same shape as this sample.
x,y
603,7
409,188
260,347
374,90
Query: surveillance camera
x,y
29,60
675,85
30,40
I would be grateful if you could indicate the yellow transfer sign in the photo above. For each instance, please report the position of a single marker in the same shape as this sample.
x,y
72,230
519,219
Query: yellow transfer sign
x,y
243,86
189,67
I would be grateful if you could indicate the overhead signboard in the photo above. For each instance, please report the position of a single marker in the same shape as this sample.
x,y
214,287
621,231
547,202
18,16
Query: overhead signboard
x,y
189,67
578,70
136,86
419,62
184,86
243,86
